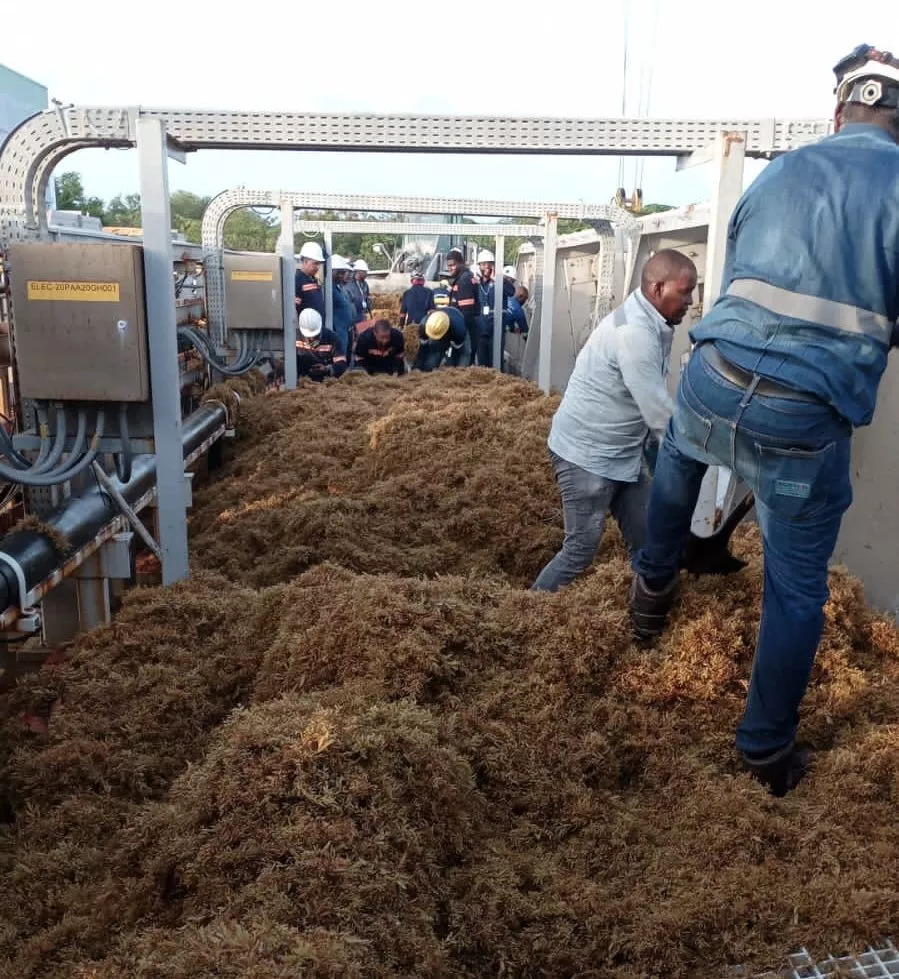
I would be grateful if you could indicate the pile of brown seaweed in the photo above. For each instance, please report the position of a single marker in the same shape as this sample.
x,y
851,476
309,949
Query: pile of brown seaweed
x,y
354,744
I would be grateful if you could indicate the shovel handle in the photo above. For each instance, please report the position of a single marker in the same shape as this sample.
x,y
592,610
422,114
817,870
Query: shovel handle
x,y
735,517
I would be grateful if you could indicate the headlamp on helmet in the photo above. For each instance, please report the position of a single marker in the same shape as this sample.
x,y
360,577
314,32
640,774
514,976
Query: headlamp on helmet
x,y
868,76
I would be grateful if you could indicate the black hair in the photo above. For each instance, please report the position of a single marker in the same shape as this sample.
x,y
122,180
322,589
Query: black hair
x,y
665,265
884,116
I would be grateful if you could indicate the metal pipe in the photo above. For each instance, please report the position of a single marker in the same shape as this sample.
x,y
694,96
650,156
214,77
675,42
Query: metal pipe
x,y
80,518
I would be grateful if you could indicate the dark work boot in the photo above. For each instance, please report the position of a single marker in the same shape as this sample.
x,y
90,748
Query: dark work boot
x,y
649,609
782,770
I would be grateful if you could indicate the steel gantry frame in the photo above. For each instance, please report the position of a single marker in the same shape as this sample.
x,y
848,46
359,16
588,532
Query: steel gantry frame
x,y
602,216
33,150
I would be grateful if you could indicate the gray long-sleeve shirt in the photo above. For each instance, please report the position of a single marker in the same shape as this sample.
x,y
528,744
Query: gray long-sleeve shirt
x,y
616,393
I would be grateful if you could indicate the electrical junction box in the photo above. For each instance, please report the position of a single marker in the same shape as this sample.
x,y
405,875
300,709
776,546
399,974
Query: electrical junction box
x,y
79,321
253,292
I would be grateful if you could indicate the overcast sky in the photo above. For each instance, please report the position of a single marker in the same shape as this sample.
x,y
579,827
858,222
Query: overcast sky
x,y
710,59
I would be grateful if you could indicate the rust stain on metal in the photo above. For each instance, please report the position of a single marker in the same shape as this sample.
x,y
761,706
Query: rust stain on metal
x,y
730,139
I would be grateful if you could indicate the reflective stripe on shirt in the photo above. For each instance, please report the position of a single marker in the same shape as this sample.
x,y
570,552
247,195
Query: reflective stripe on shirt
x,y
813,309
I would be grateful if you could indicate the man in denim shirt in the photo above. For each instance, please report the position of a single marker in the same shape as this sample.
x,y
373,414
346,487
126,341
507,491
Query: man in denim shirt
x,y
786,364
616,396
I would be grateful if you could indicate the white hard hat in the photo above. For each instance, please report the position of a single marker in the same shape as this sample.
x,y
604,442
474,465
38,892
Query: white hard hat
x,y
509,271
312,250
310,322
360,265
340,264
485,256
861,74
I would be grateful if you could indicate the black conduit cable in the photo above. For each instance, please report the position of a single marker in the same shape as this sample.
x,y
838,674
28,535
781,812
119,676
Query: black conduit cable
x,y
59,442
65,474
200,345
10,451
124,458
43,427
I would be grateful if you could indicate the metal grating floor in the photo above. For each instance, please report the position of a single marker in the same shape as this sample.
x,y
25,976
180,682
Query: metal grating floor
x,y
875,963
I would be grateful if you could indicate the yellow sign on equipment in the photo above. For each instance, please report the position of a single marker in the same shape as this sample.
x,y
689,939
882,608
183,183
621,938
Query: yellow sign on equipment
x,y
78,292
239,276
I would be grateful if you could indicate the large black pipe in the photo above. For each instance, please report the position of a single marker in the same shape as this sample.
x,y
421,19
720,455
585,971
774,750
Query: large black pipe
x,y
82,517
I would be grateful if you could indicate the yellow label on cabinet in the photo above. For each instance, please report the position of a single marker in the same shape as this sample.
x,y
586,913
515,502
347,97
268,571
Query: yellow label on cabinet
x,y
79,292
251,276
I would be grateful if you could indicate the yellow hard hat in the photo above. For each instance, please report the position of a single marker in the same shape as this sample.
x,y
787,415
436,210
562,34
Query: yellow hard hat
x,y
441,299
436,326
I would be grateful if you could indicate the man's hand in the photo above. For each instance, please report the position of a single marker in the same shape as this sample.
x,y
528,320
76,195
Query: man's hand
x,y
651,451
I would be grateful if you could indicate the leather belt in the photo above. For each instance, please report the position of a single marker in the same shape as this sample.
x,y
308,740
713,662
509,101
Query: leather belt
x,y
743,379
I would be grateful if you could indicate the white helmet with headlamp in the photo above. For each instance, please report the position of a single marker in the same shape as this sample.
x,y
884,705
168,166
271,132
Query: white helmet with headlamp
x,y
868,76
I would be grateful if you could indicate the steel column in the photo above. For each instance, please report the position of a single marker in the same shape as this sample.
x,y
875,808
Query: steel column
x,y
156,221
727,187
93,602
547,298
329,283
288,292
498,283
59,613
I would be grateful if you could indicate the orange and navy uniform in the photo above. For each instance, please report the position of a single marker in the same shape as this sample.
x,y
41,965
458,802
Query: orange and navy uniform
x,y
309,294
389,359
463,293
320,357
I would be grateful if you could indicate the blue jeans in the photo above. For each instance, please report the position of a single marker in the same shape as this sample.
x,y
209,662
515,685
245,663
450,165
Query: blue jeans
x,y
794,455
485,350
586,499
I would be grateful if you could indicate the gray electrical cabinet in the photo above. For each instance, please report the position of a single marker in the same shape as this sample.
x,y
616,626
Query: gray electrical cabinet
x,y
253,292
79,321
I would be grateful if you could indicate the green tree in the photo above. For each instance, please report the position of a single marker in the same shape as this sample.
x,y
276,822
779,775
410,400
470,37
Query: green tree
x,y
70,196
187,214
247,230
123,212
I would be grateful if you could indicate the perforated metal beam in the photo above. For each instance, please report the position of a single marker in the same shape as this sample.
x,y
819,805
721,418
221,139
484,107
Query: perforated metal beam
x,y
603,216
415,228
59,131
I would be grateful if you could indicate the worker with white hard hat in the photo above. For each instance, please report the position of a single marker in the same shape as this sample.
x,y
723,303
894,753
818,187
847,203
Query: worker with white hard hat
x,y
309,293
358,290
786,364
443,337
320,353
342,309
486,300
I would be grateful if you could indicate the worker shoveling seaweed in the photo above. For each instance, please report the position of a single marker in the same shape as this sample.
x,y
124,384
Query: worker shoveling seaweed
x,y
375,760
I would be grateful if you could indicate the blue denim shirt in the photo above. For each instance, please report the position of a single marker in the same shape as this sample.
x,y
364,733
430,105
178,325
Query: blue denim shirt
x,y
486,298
344,313
822,222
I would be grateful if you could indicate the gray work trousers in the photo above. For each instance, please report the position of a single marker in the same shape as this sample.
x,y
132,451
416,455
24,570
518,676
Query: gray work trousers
x,y
586,499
